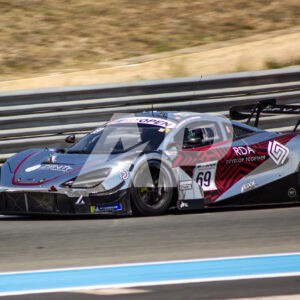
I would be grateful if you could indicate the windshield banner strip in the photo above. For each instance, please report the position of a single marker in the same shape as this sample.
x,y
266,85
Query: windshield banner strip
x,y
147,121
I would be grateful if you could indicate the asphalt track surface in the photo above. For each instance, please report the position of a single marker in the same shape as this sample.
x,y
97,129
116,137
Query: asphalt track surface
x,y
283,288
34,244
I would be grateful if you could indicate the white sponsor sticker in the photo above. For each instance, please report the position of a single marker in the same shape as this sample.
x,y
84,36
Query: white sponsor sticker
x,y
205,174
185,185
33,168
248,186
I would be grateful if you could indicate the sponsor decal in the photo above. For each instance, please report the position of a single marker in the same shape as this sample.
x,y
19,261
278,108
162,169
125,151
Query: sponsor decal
x,y
105,208
183,204
239,151
204,175
185,185
278,152
255,158
248,186
33,168
61,168
124,174
80,201
246,159
292,193
147,120
281,109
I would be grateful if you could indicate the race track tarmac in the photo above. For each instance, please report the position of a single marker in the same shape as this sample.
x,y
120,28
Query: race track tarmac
x,y
39,243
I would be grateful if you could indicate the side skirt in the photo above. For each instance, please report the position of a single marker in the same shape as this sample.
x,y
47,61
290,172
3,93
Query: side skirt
x,y
284,190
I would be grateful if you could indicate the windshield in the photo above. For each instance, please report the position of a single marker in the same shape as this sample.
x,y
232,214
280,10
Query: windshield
x,y
120,138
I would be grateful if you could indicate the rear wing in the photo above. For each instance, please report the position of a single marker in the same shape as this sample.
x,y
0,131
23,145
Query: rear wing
x,y
269,106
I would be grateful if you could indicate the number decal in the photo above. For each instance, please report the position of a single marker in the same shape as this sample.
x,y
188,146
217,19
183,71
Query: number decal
x,y
204,175
204,178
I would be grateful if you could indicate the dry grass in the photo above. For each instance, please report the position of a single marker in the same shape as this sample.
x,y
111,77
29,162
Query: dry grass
x,y
275,64
48,36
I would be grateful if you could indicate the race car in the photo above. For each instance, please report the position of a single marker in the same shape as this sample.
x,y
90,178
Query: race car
x,y
149,162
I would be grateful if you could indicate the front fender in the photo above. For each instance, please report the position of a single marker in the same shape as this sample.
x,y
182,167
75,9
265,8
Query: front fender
x,y
156,156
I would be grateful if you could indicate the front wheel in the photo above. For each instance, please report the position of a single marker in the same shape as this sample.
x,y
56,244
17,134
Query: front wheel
x,y
152,189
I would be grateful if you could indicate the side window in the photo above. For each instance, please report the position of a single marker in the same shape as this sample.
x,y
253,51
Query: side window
x,y
199,134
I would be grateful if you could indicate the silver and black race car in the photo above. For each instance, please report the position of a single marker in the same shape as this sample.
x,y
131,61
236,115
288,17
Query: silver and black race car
x,y
146,163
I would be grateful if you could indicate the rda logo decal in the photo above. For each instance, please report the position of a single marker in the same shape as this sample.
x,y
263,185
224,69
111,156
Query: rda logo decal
x,y
278,152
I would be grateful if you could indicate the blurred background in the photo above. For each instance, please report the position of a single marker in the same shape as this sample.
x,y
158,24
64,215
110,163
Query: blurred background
x,y
74,42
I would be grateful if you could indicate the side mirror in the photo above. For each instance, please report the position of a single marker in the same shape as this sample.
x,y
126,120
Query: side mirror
x,y
70,139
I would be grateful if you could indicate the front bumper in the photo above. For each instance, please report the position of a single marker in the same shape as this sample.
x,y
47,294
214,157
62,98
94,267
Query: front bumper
x,y
28,202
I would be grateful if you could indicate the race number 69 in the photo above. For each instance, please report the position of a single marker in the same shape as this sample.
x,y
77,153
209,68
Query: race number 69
x,y
204,179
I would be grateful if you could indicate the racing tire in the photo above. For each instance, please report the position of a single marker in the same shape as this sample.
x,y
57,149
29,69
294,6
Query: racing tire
x,y
151,196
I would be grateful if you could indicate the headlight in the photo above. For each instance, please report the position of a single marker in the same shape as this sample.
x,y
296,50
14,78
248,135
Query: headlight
x,y
88,180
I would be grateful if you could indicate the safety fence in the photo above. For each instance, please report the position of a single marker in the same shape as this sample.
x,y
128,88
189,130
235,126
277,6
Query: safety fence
x,y
45,117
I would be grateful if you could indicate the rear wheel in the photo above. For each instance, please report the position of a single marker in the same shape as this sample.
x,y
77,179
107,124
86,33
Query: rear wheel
x,y
152,189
